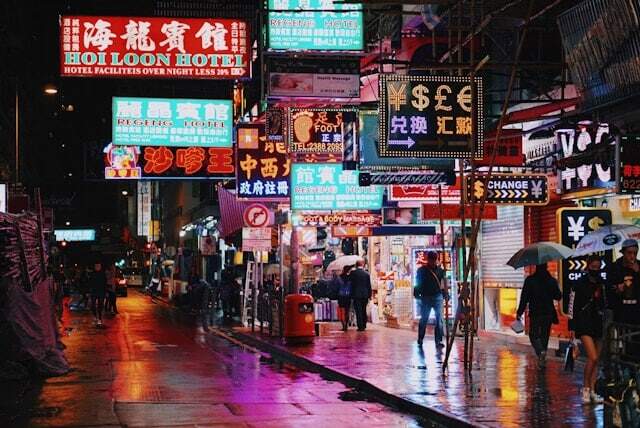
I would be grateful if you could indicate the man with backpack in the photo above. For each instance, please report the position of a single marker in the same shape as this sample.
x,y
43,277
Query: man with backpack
x,y
429,290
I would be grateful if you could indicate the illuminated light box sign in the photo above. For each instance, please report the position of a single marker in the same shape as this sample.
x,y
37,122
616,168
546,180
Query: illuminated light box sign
x,y
340,219
263,167
506,189
168,162
454,212
172,122
173,48
327,187
314,25
426,193
369,138
430,117
75,235
629,165
321,131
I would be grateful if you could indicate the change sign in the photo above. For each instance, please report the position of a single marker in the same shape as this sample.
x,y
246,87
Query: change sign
x,y
520,189
430,117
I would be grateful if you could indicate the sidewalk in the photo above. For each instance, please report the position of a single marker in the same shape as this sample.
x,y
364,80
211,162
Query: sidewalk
x,y
505,388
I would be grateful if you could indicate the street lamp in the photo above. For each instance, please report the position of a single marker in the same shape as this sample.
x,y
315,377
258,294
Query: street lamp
x,y
124,193
50,89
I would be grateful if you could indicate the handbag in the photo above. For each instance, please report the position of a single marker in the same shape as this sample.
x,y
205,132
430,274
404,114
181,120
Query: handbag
x,y
517,326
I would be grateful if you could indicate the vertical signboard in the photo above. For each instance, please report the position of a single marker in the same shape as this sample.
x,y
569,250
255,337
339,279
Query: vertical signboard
x,y
629,165
263,167
314,25
430,117
154,47
144,208
573,225
3,197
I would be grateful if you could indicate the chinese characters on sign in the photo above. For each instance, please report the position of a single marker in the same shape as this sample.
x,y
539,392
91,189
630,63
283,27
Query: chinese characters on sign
x,y
171,48
263,167
587,157
629,164
430,116
572,225
321,131
314,25
172,122
520,189
328,187
190,162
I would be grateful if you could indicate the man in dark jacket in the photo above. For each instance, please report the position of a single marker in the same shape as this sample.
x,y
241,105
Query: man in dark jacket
x,y
538,293
98,283
360,293
430,288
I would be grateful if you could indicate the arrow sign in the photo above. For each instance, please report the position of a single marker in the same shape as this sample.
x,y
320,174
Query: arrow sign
x,y
409,142
505,189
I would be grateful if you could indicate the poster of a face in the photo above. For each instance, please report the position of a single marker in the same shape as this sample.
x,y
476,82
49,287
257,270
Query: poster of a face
x,y
401,216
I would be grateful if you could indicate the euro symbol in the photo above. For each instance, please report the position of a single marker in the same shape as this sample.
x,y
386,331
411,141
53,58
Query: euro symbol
x,y
421,101
478,189
464,98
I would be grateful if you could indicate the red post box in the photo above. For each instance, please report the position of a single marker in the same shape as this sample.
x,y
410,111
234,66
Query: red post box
x,y
299,324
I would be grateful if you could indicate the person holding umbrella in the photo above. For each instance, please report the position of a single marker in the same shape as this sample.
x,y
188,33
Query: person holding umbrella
x,y
586,320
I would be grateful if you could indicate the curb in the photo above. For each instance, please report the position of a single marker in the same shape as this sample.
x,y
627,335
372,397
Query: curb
x,y
438,417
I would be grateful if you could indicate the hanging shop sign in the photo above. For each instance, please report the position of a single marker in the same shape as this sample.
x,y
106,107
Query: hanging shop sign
x,y
430,117
519,189
340,219
327,187
417,177
508,151
263,166
121,162
321,130
587,158
454,212
369,137
572,225
256,239
275,124
144,208
171,48
256,215
172,122
314,25
426,193
629,165
316,78
75,235
190,162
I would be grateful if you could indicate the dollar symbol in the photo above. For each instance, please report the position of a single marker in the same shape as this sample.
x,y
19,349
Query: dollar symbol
x,y
421,101
478,189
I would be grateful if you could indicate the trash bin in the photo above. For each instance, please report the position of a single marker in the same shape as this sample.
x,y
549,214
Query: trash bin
x,y
299,323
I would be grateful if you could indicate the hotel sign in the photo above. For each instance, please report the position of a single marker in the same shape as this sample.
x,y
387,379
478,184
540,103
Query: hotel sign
x,y
130,47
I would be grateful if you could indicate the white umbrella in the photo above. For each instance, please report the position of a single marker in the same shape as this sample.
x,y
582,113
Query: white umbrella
x,y
342,261
606,238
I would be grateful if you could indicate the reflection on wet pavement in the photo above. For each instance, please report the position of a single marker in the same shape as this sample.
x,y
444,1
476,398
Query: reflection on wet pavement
x,y
150,367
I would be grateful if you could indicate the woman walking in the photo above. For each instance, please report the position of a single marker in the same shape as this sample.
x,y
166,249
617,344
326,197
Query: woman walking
x,y
538,293
343,287
586,323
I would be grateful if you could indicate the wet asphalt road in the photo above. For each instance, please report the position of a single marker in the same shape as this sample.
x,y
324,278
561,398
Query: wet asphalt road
x,y
149,366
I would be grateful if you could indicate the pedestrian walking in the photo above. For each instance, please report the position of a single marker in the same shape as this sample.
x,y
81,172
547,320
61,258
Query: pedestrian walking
x,y
586,310
360,293
98,283
538,293
84,288
111,274
227,290
342,285
430,289
207,307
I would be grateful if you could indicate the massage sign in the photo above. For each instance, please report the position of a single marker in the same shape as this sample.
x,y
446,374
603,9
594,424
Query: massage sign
x,y
321,131
430,117
92,46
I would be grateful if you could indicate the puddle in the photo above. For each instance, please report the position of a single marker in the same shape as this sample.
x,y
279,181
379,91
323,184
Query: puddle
x,y
355,395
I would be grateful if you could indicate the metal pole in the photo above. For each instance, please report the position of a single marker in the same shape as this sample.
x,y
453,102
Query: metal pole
x,y
444,264
17,126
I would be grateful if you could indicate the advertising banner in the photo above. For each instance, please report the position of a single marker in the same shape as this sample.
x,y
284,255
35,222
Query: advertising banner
x,y
327,187
340,219
507,189
587,158
320,131
172,122
572,225
146,47
263,168
314,25
430,117
132,162
369,137
629,165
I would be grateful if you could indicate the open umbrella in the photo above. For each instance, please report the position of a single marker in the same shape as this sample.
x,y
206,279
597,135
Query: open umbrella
x,y
606,238
538,253
342,261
